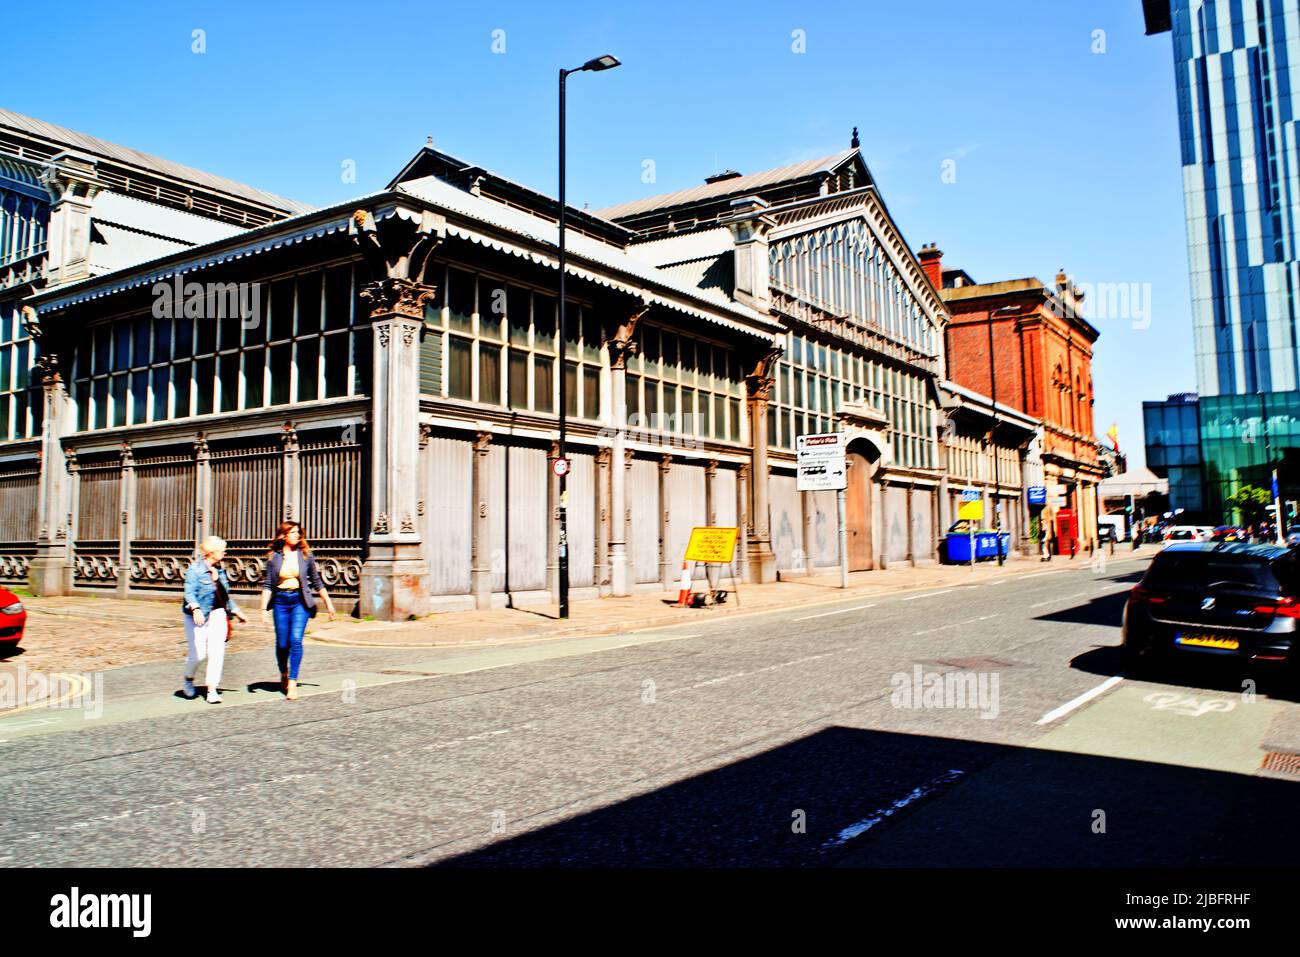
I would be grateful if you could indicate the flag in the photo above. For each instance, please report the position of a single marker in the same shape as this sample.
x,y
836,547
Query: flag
x,y
1113,434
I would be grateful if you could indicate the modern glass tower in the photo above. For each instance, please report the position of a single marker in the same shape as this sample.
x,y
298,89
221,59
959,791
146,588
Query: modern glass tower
x,y
1237,70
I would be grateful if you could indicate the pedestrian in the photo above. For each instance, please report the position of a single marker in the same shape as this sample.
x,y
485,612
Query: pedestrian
x,y
208,609
288,592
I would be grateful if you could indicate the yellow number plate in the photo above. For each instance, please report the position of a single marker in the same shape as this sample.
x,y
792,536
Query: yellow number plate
x,y
1209,641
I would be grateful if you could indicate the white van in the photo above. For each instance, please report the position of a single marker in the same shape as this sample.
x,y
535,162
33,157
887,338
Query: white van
x,y
1116,522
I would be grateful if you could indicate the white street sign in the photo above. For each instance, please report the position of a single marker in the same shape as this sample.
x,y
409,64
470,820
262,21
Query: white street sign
x,y
820,461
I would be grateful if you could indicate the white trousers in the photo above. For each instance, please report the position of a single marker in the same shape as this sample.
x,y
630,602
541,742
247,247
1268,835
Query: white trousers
x,y
207,642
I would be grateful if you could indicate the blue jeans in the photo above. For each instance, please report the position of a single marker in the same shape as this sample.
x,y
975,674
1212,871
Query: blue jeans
x,y
290,623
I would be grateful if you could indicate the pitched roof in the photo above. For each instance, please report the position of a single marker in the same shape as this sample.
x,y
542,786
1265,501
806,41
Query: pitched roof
x,y
92,145
735,186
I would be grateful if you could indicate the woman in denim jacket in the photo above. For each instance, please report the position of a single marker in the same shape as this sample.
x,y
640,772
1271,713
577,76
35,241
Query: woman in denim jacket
x,y
207,605
289,595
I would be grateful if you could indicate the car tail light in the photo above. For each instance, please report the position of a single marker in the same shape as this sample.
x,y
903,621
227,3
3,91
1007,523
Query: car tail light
x,y
1144,596
1287,608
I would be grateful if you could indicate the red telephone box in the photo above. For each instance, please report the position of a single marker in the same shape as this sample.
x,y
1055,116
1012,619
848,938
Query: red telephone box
x,y
1067,531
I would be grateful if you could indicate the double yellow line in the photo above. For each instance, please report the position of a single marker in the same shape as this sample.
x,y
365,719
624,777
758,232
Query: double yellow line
x,y
77,684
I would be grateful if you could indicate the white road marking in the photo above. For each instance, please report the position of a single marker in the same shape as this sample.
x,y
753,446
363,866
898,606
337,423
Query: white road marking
x,y
861,827
1081,700
757,671
842,611
955,624
929,594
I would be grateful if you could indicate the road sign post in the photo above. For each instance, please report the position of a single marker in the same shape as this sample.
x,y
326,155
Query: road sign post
x,y
821,466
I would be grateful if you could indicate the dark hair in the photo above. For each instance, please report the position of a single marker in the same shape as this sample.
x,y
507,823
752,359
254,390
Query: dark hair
x,y
282,537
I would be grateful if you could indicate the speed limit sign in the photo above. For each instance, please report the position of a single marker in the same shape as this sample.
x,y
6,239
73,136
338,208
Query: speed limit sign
x,y
560,467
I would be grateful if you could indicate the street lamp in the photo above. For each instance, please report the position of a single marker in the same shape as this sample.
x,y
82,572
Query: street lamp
x,y
596,65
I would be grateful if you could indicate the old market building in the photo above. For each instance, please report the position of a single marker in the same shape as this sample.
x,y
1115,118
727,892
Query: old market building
x,y
386,371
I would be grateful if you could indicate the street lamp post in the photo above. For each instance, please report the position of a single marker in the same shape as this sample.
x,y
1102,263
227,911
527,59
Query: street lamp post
x,y
596,65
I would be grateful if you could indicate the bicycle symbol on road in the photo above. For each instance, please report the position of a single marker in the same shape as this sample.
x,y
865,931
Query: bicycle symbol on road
x,y
1187,705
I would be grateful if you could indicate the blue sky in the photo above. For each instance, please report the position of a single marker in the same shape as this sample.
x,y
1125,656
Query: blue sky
x,y
1064,157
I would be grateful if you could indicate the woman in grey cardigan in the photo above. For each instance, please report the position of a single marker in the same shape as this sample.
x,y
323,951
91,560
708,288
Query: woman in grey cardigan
x,y
292,577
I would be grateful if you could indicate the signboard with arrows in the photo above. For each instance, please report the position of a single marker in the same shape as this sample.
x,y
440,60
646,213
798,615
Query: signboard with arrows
x,y
820,462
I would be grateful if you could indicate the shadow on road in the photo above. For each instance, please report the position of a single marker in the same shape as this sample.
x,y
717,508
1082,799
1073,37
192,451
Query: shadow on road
x,y
1030,808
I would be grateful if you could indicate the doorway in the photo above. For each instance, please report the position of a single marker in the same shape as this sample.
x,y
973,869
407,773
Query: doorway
x,y
858,502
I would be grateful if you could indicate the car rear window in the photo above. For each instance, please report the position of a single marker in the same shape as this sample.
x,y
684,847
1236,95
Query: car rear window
x,y
1202,569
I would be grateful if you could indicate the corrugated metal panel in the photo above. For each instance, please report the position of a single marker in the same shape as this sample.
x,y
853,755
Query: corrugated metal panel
x,y
643,498
121,248
786,510
526,474
726,187
724,496
923,524
825,540
706,244
154,164
685,507
495,494
582,520
135,213
447,516
895,518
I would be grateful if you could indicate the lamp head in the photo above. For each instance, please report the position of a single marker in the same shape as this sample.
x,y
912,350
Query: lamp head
x,y
606,62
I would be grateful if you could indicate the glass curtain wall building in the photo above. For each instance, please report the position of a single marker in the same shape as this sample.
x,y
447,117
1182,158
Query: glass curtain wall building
x,y
1237,67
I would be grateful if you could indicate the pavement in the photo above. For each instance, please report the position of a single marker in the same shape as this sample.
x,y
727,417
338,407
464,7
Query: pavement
x,y
794,736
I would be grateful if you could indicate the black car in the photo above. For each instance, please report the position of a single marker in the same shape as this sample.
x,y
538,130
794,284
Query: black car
x,y
1226,599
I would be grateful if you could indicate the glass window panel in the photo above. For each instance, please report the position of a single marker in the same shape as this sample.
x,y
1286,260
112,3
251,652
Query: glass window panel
x,y
492,308
590,335
543,384
309,297
572,328
718,417
184,335
489,374
544,322
281,310
207,336
99,394
518,318
119,399
254,378
670,423
141,354
205,383
650,351
338,297
308,362
591,392
122,346
733,425
632,388
670,356
182,388
336,365
6,367
518,379
460,299
689,425
162,340
6,430
651,405
570,389
159,388
459,384
139,397
228,370
21,429
103,349
363,342
22,365
220,311
281,356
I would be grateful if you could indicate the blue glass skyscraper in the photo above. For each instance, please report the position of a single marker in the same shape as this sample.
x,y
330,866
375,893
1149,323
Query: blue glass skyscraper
x,y
1237,69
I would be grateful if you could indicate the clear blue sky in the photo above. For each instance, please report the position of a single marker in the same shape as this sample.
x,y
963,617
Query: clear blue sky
x,y
1064,157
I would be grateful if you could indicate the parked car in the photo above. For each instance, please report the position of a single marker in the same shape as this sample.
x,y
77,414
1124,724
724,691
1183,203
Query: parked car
x,y
1230,533
1187,533
13,619
1233,600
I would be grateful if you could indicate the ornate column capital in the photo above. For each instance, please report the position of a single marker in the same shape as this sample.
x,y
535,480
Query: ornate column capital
x,y
401,297
201,451
426,433
289,437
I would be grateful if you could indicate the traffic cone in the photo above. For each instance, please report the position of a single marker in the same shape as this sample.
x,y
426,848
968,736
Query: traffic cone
x,y
684,594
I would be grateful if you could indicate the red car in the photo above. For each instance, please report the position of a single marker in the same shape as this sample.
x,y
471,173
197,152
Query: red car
x,y
13,619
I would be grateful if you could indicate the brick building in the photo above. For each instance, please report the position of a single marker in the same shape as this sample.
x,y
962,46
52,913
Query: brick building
x,y
1042,365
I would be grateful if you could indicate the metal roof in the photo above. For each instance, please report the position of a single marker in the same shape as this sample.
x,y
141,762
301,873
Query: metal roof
x,y
737,185
94,146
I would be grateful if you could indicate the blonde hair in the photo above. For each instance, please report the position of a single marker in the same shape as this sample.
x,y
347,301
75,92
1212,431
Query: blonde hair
x,y
212,544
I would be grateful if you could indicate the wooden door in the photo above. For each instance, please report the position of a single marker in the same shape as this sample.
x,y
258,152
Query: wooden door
x,y
857,507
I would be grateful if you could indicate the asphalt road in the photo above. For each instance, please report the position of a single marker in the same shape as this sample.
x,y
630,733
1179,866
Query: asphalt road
x,y
779,739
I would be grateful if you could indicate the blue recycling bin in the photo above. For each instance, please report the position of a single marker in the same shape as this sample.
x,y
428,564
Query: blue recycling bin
x,y
959,547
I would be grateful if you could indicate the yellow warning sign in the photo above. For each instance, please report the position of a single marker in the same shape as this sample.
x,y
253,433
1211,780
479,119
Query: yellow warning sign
x,y
709,544
971,510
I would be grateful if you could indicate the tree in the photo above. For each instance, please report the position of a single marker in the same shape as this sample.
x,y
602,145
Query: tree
x,y
1252,503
